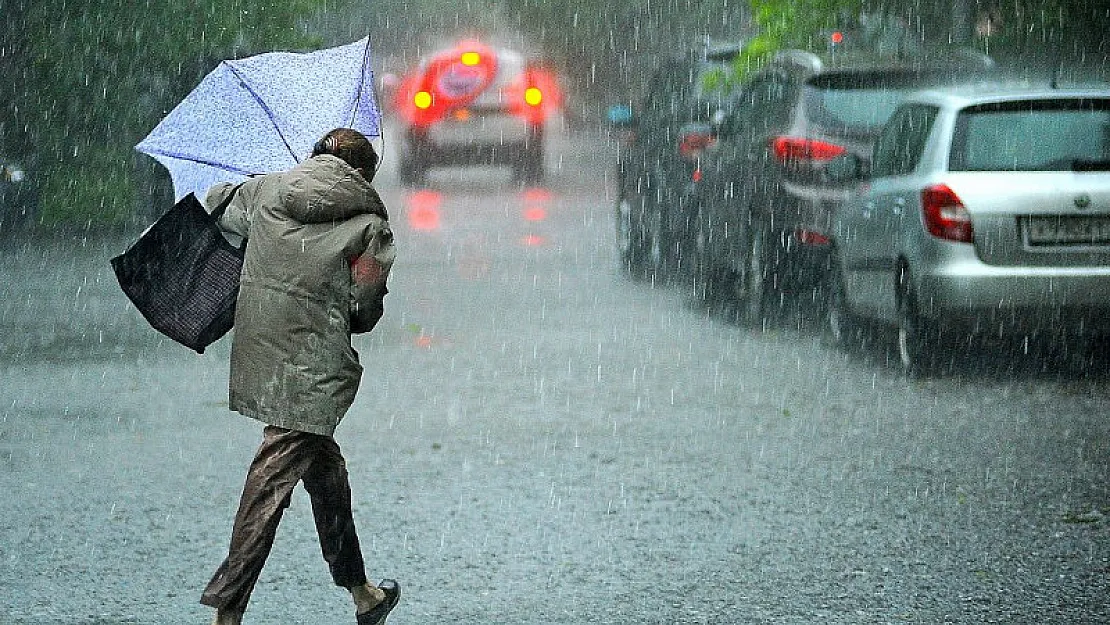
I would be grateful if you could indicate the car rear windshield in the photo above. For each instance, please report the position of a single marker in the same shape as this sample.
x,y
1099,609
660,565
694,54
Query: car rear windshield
x,y
859,103
710,89
1041,135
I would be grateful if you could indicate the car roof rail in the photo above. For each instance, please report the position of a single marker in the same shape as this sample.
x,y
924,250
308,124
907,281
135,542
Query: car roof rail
x,y
972,59
722,50
796,61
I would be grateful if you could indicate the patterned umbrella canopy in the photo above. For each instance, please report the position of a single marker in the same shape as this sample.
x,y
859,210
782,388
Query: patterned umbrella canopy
x,y
262,114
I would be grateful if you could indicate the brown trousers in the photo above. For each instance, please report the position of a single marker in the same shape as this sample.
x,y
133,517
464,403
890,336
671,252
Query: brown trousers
x,y
285,458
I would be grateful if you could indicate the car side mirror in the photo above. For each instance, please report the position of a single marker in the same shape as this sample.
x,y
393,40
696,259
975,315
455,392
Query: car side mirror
x,y
621,116
847,168
719,122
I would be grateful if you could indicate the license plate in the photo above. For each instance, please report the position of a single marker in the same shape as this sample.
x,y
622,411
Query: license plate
x,y
1067,230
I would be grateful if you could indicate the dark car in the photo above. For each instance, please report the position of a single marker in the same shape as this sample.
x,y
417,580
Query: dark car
x,y
667,131
762,202
18,197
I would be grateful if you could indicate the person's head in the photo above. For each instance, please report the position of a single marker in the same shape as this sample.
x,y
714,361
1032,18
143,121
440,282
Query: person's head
x,y
351,146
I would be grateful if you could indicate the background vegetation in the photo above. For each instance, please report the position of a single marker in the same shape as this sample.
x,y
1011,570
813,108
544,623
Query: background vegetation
x,y
82,82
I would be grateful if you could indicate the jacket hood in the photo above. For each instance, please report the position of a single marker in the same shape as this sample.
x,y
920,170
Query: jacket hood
x,y
322,183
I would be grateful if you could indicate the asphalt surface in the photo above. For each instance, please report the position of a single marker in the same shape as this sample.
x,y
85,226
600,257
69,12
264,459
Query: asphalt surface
x,y
540,440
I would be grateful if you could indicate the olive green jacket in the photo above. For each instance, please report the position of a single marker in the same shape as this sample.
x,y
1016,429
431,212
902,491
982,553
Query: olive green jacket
x,y
292,363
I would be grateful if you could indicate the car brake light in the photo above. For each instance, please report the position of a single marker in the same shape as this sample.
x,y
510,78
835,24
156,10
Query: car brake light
x,y
945,215
797,149
533,96
691,145
811,237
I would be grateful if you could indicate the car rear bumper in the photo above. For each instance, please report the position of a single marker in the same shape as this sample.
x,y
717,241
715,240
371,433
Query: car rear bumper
x,y
489,140
489,129
970,291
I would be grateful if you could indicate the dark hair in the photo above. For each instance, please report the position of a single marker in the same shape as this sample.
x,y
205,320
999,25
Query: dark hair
x,y
350,145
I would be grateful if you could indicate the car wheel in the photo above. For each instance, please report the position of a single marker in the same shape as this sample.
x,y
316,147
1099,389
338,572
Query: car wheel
x,y
749,280
629,234
529,169
633,244
701,259
918,337
841,327
637,242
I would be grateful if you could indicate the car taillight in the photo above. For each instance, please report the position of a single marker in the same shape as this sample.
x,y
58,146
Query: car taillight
x,y
533,96
811,238
945,215
797,149
691,145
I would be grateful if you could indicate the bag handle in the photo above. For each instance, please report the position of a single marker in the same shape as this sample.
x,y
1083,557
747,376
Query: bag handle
x,y
222,206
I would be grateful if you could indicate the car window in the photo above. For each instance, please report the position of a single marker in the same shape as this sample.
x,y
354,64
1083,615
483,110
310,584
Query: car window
x,y
677,94
763,105
899,147
659,100
709,89
861,102
1031,136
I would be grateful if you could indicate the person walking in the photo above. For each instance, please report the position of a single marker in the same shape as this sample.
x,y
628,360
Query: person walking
x,y
292,363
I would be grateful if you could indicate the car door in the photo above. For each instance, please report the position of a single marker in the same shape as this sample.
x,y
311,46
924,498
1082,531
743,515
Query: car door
x,y
887,201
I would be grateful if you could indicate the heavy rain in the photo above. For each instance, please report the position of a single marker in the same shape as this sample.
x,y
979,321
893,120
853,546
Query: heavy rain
x,y
703,311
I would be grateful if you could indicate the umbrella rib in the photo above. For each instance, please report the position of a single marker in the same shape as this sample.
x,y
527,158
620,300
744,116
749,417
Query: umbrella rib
x,y
265,108
201,161
361,82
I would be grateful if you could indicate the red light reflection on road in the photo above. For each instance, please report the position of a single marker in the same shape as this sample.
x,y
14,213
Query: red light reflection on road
x,y
474,260
431,341
422,210
536,195
536,200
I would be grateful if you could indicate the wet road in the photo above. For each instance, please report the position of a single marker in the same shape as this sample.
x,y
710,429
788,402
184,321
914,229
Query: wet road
x,y
538,440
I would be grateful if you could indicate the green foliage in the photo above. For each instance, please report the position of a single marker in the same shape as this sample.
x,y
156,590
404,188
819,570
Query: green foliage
x,y
1016,32
96,190
1067,29
789,24
101,73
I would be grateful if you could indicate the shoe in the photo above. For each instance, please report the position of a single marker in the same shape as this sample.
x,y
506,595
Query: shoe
x,y
376,615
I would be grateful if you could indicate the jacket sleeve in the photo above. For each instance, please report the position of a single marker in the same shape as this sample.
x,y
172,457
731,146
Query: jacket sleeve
x,y
369,274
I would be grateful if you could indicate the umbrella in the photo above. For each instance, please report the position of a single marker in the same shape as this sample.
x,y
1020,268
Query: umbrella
x,y
262,114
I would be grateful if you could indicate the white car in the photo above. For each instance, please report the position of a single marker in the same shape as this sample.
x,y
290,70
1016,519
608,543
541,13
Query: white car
x,y
475,104
984,211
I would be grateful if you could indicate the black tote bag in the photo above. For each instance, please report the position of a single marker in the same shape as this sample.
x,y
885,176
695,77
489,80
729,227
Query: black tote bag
x,y
183,274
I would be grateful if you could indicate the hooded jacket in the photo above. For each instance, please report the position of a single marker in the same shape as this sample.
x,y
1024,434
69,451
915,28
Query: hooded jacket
x,y
292,363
